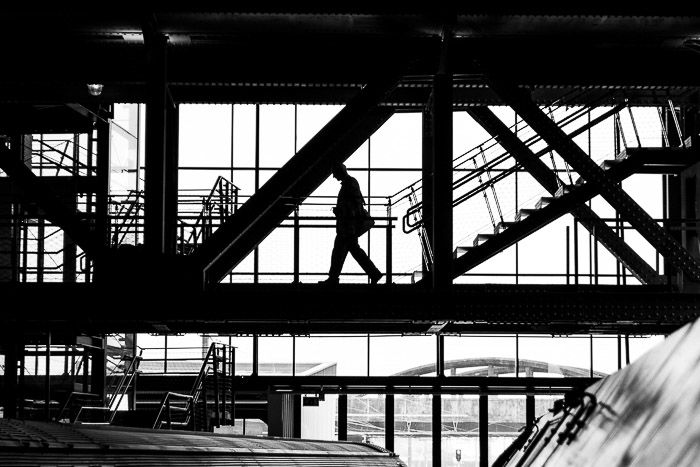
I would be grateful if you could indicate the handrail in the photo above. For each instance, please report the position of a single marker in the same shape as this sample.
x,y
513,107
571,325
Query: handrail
x,y
492,141
409,226
117,395
210,363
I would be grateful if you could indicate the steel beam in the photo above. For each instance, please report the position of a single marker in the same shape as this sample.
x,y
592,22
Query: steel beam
x,y
483,430
389,422
549,180
160,172
303,309
437,429
299,177
342,417
442,179
484,385
427,190
664,243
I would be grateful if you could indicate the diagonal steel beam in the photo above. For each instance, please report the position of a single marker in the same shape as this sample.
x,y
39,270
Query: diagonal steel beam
x,y
33,190
549,180
299,177
521,102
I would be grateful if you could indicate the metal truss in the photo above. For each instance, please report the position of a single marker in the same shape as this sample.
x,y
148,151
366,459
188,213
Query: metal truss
x,y
299,177
549,180
630,211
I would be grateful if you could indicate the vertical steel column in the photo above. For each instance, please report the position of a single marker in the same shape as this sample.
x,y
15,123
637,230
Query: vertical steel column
x,y
256,251
296,428
40,248
255,355
442,182
171,170
102,159
437,429
389,422
70,250
530,408
296,244
156,144
342,417
483,430
389,244
98,378
47,381
427,174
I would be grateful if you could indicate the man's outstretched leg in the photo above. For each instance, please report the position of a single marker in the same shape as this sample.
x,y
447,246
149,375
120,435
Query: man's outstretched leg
x,y
340,252
364,261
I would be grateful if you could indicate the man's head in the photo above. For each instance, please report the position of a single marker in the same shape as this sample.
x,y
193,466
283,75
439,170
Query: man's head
x,y
339,171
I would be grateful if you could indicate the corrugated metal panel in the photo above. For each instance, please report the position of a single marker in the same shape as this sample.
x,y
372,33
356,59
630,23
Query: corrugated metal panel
x,y
39,443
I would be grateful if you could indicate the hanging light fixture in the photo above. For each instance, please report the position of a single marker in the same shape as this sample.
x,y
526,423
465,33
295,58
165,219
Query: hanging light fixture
x,y
95,89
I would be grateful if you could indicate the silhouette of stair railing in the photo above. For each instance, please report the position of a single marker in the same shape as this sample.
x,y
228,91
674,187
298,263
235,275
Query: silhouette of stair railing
x,y
127,216
221,203
67,162
548,207
191,411
412,220
102,412
500,159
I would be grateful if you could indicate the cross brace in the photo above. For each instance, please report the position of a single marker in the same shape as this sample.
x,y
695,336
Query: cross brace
x,y
548,179
299,177
521,102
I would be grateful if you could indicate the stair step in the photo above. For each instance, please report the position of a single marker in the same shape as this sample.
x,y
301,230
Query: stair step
x,y
482,238
544,201
459,251
523,213
503,225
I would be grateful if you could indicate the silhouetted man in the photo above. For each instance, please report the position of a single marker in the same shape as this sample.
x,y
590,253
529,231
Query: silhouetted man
x,y
348,210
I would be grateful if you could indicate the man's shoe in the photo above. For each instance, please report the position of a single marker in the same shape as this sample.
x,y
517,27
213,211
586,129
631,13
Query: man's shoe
x,y
329,281
375,278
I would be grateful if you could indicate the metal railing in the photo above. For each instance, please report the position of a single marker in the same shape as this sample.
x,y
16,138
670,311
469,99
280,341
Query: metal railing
x,y
116,394
218,368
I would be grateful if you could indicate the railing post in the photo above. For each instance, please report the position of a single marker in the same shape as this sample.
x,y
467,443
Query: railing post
x,y
167,412
223,382
296,243
389,245
217,396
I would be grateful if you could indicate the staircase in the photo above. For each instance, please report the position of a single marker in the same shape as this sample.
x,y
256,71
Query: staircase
x,y
85,407
564,195
549,208
221,203
210,402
